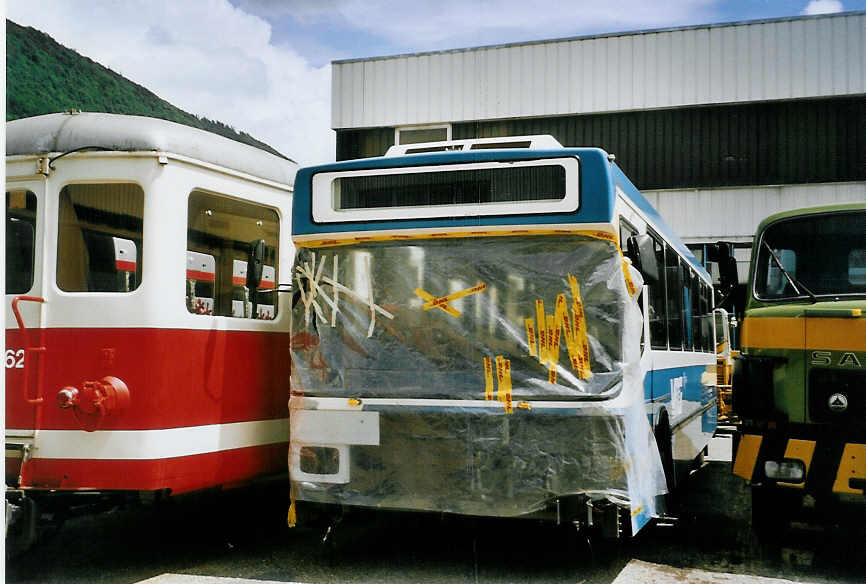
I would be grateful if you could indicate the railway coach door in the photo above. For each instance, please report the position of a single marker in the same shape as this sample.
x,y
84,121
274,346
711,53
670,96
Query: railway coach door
x,y
24,355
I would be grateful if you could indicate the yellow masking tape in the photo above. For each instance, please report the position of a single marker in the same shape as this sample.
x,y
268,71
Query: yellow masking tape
x,y
629,283
500,377
580,335
549,326
530,336
423,294
332,242
542,336
559,317
292,516
508,408
503,375
488,379
444,300
570,342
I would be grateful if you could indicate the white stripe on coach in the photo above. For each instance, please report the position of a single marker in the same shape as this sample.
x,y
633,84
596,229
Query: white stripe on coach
x,y
157,444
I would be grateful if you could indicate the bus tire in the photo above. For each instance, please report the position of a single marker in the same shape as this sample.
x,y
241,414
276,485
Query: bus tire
x,y
664,442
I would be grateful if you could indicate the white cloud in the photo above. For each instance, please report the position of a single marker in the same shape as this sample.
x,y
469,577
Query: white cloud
x,y
425,24
461,23
823,7
206,57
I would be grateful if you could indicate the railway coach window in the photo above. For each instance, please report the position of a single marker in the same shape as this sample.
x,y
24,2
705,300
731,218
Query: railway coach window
x,y
99,237
20,240
221,232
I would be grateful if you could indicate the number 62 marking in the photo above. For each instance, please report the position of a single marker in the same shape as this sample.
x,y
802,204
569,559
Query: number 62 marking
x,y
14,359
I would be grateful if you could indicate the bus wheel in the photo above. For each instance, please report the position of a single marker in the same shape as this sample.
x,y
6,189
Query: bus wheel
x,y
664,442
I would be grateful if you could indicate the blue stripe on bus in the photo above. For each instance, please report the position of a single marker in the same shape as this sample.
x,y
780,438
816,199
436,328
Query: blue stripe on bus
x,y
597,190
657,388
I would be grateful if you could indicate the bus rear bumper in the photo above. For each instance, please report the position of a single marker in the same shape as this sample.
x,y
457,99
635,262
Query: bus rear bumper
x,y
576,465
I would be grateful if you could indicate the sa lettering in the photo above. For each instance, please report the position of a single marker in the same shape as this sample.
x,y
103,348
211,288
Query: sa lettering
x,y
825,358
821,358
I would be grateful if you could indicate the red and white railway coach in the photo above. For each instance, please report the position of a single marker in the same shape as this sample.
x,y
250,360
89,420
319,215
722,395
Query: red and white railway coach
x,y
146,344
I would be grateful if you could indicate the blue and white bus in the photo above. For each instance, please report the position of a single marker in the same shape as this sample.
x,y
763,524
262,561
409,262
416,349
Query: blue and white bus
x,y
500,327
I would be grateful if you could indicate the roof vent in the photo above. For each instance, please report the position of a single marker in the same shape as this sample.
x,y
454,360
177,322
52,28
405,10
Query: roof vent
x,y
538,142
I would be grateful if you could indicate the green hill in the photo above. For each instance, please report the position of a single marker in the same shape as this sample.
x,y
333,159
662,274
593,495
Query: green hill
x,y
44,77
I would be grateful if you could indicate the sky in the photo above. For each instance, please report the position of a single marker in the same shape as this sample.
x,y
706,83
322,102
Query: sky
x,y
263,66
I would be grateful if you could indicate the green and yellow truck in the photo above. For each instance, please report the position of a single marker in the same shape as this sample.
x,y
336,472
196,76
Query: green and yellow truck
x,y
799,387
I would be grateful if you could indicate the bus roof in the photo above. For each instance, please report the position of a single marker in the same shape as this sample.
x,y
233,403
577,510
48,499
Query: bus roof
x,y
64,132
599,179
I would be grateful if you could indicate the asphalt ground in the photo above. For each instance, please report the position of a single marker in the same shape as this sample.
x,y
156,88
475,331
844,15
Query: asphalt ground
x,y
242,534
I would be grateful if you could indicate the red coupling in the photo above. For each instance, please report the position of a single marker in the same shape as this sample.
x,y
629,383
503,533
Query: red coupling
x,y
96,398
67,398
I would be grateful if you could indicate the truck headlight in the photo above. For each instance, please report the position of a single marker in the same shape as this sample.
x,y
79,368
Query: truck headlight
x,y
787,470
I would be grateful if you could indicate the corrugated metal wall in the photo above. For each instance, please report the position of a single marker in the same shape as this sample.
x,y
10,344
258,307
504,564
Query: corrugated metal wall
x,y
807,141
763,143
708,215
353,144
745,62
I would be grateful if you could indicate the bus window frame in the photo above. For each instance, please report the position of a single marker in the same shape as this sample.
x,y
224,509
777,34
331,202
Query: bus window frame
x,y
324,211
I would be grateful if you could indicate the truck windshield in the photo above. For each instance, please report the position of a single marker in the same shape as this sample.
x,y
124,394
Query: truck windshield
x,y
824,254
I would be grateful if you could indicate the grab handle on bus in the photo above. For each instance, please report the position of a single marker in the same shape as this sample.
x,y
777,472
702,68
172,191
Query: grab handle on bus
x,y
28,349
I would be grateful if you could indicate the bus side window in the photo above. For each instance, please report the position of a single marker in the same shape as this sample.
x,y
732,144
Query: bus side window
x,y
657,301
20,241
704,318
625,231
689,305
220,233
99,237
674,279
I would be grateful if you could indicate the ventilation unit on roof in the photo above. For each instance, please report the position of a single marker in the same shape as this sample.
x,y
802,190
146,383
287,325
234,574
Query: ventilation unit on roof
x,y
539,142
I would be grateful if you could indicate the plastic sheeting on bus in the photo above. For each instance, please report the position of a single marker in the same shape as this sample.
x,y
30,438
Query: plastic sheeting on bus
x,y
500,373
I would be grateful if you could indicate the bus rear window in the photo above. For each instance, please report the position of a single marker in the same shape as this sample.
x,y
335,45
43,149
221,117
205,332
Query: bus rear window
x,y
464,189
456,187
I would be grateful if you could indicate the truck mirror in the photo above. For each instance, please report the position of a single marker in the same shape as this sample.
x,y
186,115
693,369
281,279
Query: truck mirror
x,y
719,250
642,253
728,276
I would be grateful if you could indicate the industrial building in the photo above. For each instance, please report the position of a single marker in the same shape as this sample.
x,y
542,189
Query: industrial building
x,y
719,125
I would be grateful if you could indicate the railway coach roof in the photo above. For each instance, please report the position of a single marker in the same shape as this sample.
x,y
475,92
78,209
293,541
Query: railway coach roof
x,y
64,132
